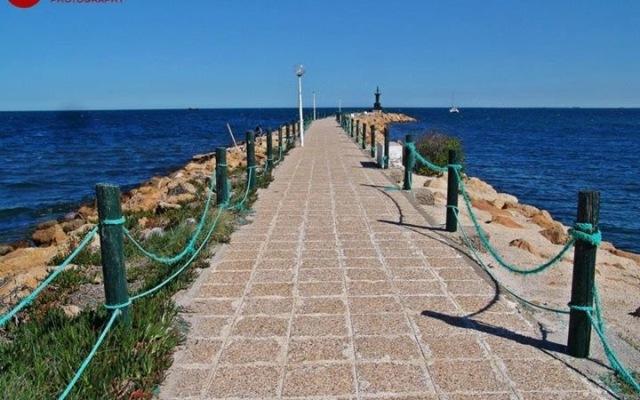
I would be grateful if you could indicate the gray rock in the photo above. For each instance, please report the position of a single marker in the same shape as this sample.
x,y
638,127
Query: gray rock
x,y
153,231
424,196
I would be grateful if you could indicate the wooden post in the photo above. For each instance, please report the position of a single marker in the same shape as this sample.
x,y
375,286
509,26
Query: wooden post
x,y
269,150
364,136
385,157
351,127
452,192
111,249
288,135
373,141
251,159
280,148
408,164
584,268
222,189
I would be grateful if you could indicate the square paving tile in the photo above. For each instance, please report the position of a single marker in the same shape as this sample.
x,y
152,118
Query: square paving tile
x,y
208,327
267,305
309,325
308,289
374,304
229,277
187,382
447,262
412,274
549,374
366,274
260,326
198,351
391,378
515,348
320,275
419,288
273,275
234,265
289,264
319,263
245,381
209,307
453,274
468,376
220,291
387,348
319,349
404,262
247,351
380,324
369,288
509,322
372,262
418,304
319,380
271,289
470,288
454,347
321,305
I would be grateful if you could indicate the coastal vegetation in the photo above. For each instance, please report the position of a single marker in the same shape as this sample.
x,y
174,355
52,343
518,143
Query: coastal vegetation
x,y
434,145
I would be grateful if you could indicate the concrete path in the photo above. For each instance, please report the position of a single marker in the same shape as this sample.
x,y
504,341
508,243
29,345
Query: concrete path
x,y
338,289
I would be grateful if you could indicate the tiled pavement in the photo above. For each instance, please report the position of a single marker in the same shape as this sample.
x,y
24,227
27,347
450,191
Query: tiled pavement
x,y
335,291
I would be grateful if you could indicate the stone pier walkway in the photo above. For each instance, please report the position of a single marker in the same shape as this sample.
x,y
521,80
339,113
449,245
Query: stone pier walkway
x,y
338,289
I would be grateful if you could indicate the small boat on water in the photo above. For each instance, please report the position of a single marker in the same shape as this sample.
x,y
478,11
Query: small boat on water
x,y
453,109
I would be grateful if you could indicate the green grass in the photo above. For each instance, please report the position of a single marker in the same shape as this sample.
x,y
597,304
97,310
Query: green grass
x,y
621,387
41,353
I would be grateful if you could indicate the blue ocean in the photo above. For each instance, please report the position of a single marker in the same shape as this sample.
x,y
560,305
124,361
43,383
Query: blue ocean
x,y
51,161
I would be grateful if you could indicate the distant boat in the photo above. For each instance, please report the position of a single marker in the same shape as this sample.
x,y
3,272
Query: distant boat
x,y
453,108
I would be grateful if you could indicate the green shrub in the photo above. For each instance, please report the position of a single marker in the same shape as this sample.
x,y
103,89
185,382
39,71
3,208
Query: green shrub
x,y
434,146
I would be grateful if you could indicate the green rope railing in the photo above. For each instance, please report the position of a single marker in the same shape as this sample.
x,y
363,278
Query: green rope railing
x,y
28,299
580,231
189,248
597,322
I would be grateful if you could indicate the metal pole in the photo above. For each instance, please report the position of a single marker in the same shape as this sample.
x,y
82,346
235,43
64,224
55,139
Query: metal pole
x,y
300,111
251,159
408,164
314,106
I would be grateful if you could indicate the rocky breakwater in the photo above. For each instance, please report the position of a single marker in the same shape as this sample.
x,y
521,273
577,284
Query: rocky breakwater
x,y
23,265
380,120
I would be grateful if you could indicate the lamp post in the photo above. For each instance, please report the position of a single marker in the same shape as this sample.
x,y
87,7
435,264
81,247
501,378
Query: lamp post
x,y
299,69
339,105
314,106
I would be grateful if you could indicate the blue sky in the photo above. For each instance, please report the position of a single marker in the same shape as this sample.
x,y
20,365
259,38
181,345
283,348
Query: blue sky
x,y
211,53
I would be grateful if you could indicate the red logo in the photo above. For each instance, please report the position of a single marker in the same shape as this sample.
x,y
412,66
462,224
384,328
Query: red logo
x,y
24,3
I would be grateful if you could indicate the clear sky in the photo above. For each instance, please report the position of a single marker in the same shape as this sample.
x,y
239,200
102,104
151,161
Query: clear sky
x,y
241,53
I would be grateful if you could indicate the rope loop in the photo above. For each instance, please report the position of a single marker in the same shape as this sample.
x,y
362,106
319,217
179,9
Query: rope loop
x,y
584,231
118,221
118,306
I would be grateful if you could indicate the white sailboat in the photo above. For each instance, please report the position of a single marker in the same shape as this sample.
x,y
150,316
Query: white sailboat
x,y
453,108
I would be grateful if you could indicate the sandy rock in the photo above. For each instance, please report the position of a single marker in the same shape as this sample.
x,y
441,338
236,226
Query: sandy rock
x,y
178,188
26,259
544,220
523,209
70,226
506,221
53,235
88,212
502,199
71,310
524,245
484,205
556,235
437,183
164,205
424,196
5,249
626,254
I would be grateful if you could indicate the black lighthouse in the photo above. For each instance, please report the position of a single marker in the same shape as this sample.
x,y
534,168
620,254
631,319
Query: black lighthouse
x,y
377,106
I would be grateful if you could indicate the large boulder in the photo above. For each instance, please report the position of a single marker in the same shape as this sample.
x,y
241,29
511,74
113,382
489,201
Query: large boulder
x,y
52,236
25,259
524,245
556,235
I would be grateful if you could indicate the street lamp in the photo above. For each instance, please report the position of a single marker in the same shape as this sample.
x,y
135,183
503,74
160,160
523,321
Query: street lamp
x,y
314,106
299,69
